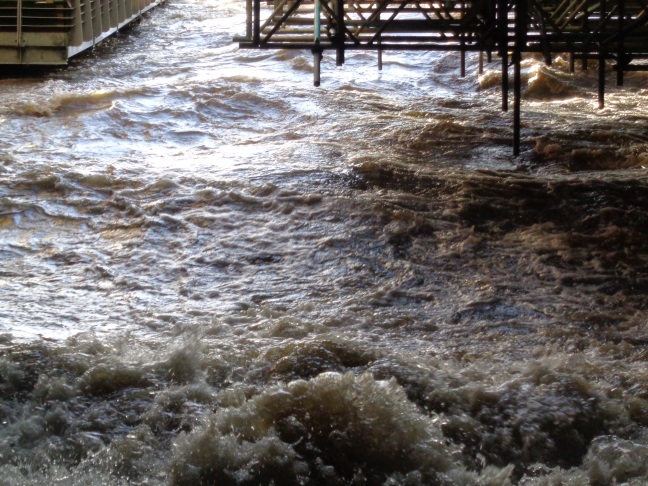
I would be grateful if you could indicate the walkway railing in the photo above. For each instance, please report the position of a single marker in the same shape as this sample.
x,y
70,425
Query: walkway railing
x,y
48,32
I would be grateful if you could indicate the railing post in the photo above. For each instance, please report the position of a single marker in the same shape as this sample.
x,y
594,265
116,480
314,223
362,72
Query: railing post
x,y
77,32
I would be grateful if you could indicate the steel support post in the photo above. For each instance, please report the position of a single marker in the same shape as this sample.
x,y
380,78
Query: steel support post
x,y
517,95
584,60
502,19
601,60
572,61
256,25
317,66
463,56
621,60
339,56
521,23
601,78
317,50
248,21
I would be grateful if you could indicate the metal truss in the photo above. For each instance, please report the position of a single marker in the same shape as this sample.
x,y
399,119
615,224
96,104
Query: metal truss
x,y
586,29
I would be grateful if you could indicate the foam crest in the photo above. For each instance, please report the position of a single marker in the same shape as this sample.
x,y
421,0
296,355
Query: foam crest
x,y
547,83
331,428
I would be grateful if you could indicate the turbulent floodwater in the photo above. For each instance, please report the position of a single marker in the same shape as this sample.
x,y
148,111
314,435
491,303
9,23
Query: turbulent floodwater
x,y
214,273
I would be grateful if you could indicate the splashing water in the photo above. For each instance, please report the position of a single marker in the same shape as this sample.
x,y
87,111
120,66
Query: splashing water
x,y
214,273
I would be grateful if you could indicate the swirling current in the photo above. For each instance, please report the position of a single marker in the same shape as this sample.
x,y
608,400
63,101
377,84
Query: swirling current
x,y
214,273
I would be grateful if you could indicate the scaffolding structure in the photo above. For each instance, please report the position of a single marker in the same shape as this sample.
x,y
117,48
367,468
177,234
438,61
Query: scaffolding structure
x,y
604,30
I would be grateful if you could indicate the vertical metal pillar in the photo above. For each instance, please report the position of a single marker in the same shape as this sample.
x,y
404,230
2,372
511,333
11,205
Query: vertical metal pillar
x,y
601,61
380,54
248,19
317,21
621,61
503,44
462,42
505,81
586,28
463,56
517,94
317,50
572,61
601,78
317,66
521,22
339,56
256,28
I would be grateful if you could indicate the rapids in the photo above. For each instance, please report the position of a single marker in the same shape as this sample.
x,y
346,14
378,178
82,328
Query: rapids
x,y
215,273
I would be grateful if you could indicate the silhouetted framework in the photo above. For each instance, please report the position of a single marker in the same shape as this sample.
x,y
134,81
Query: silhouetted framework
x,y
603,30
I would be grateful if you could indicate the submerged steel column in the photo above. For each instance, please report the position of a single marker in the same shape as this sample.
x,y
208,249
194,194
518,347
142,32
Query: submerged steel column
x,y
505,81
601,60
572,61
317,66
463,57
621,61
601,78
317,50
502,19
521,22
517,94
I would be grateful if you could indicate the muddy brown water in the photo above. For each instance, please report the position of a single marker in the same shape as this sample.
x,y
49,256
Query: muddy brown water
x,y
215,273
